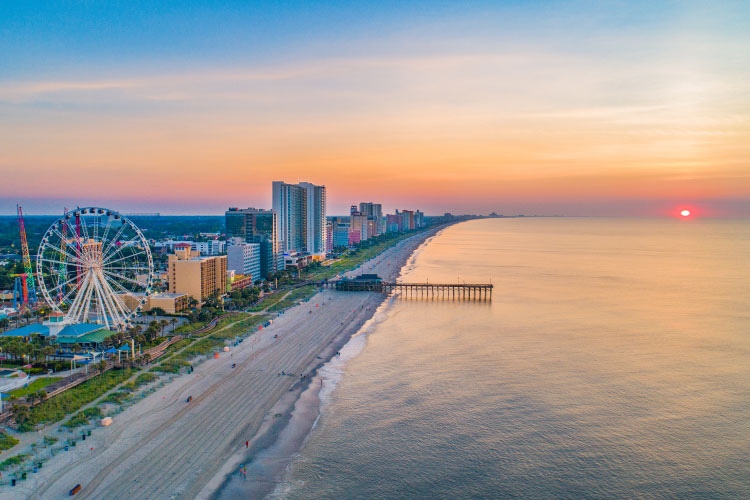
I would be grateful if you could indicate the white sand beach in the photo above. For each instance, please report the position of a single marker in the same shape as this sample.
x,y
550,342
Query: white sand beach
x,y
163,447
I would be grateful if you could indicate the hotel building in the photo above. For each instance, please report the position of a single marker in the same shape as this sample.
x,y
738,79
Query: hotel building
x,y
199,277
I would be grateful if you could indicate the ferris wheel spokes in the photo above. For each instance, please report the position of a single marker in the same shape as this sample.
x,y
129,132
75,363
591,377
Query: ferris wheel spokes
x,y
99,273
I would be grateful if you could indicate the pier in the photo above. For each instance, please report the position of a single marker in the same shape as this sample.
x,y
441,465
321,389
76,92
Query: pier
x,y
463,291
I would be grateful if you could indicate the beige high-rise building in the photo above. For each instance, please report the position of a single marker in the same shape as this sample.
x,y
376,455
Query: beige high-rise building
x,y
199,277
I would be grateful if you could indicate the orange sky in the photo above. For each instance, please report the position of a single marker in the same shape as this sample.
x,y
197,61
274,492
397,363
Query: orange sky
x,y
466,124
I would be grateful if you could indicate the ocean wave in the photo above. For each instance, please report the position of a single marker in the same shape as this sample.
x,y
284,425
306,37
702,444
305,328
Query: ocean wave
x,y
332,372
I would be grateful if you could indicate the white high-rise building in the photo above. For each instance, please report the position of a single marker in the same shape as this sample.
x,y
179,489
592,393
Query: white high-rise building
x,y
302,217
315,231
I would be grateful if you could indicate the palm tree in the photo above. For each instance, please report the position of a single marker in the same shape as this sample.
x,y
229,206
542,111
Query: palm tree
x,y
41,394
162,324
76,347
174,322
20,413
48,351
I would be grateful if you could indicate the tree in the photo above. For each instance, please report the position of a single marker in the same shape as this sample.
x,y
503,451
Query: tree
x,y
162,324
174,323
20,414
42,395
76,347
101,366
4,322
48,351
158,311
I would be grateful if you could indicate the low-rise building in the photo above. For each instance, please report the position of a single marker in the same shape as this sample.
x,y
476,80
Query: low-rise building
x,y
209,248
87,336
170,303
238,281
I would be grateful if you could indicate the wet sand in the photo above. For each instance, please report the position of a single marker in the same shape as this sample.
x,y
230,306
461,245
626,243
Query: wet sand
x,y
163,447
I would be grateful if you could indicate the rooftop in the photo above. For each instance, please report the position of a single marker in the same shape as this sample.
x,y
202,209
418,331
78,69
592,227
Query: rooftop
x,y
79,329
27,331
76,330
91,338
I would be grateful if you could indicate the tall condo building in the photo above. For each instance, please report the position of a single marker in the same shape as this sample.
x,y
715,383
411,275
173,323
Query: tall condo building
x,y
289,203
371,209
253,225
302,217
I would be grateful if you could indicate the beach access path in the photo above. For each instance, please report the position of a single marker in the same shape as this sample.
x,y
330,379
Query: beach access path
x,y
165,447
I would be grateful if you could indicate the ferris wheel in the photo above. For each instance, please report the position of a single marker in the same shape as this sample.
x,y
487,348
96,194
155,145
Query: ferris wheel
x,y
95,265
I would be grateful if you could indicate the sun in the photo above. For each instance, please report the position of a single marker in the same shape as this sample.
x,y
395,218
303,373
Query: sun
x,y
685,213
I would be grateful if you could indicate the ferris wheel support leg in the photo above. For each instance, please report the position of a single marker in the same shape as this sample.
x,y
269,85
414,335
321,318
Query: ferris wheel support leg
x,y
111,301
114,300
101,302
86,304
72,311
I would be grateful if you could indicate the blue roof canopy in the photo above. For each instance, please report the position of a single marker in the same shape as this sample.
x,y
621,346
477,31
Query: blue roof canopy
x,y
27,331
79,330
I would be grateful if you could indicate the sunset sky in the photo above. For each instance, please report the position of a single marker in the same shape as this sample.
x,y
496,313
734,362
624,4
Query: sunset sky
x,y
581,108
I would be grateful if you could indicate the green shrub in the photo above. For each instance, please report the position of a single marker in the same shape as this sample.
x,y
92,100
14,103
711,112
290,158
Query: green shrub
x,y
57,407
82,417
7,442
14,460
293,297
116,397
143,379
171,366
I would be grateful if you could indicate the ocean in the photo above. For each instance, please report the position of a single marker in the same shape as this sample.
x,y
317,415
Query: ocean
x,y
612,362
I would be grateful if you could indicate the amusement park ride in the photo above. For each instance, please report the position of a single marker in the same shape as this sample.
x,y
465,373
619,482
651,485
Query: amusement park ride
x,y
24,285
93,265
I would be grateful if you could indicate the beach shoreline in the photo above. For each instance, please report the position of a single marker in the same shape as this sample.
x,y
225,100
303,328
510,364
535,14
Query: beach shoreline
x,y
163,447
274,446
